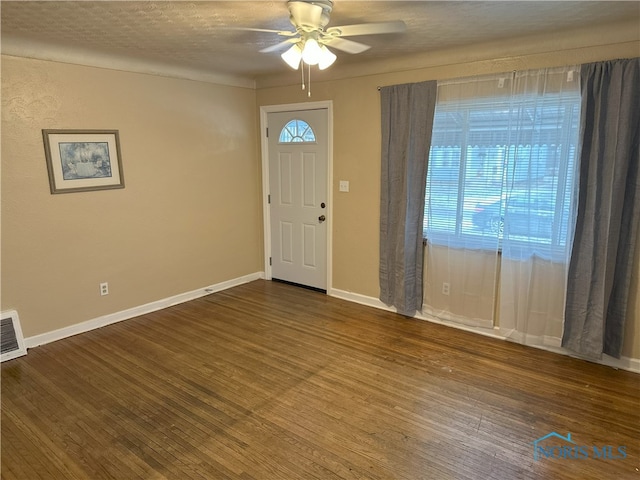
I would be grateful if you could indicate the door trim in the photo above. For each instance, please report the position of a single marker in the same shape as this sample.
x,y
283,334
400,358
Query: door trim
x,y
264,145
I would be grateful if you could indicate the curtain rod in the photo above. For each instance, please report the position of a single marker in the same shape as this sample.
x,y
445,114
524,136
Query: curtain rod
x,y
511,72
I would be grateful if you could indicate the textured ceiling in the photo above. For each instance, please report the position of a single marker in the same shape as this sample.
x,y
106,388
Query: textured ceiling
x,y
196,35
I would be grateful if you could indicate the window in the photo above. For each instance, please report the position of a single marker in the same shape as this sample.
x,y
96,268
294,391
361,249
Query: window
x,y
297,131
503,168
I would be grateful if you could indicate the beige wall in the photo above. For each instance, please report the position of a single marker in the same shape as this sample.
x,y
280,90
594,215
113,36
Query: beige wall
x,y
357,132
188,217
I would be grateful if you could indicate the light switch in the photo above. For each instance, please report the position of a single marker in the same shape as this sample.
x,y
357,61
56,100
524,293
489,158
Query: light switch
x,y
344,185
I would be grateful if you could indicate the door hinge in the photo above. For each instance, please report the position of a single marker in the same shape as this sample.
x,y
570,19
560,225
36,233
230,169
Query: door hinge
x,y
269,199
270,261
267,132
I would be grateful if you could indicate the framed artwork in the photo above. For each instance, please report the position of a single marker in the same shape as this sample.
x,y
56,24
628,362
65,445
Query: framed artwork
x,y
83,160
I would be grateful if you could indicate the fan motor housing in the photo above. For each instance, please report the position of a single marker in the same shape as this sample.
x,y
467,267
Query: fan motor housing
x,y
299,14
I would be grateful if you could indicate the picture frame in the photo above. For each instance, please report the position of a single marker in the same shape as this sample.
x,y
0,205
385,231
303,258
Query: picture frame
x,y
83,160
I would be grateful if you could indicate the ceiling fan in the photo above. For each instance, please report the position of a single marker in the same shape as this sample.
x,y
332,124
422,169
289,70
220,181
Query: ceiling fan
x,y
310,39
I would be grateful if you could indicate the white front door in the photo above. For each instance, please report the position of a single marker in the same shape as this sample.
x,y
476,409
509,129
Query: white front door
x,y
298,196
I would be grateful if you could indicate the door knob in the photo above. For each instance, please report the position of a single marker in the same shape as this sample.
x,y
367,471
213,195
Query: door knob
x,y
322,218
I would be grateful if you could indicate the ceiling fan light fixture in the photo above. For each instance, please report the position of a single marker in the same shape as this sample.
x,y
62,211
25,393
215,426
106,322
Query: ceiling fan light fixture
x,y
307,42
311,53
327,58
293,56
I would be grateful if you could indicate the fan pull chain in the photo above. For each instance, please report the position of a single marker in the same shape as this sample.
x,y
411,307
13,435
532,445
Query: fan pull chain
x,y
308,85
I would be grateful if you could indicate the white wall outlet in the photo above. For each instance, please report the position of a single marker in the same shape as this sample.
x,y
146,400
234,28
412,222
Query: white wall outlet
x,y
104,288
344,185
445,288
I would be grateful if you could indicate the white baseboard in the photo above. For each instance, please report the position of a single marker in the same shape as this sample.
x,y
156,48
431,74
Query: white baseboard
x,y
361,299
374,302
623,363
104,320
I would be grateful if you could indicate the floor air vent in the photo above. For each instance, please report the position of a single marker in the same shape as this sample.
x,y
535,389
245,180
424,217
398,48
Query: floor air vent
x,y
11,340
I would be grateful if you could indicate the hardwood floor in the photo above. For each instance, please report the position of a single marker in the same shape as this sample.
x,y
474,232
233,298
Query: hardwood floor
x,y
270,381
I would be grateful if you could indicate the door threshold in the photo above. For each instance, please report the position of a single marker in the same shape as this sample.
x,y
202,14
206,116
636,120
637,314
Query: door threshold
x,y
294,284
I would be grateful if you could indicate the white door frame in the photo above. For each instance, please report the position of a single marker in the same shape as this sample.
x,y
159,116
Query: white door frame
x,y
266,212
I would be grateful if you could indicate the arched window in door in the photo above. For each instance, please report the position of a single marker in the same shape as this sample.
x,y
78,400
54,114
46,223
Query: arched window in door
x,y
297,131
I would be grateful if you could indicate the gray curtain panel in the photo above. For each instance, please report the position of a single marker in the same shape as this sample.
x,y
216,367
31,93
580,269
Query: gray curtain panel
x,y
608,209
407,121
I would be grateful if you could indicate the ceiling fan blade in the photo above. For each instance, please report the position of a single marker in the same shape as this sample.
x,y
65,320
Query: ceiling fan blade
x,y
348,46
305,14
284,33
368,29
280,45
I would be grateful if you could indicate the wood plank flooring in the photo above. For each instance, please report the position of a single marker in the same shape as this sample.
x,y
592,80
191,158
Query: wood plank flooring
x,y
270,381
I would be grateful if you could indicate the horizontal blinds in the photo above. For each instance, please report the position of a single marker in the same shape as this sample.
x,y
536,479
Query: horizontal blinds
x,y
502,161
